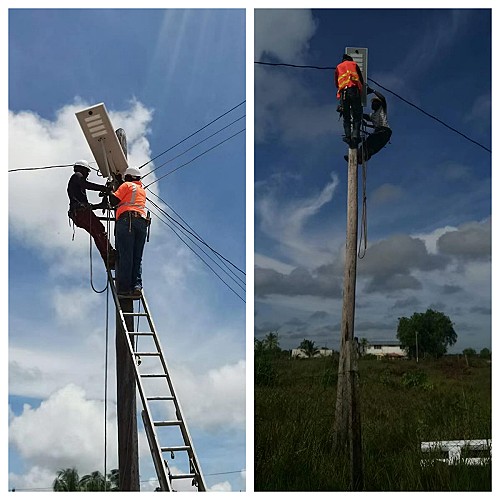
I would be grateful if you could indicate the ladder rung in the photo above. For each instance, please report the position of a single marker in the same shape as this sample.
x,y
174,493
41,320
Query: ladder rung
x,y
146,353
182,476
176,448
161,398
141,333
153,375
167,423
134,314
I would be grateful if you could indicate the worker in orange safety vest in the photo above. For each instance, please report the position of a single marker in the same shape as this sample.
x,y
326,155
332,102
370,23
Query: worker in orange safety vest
x,y
349,82
130,232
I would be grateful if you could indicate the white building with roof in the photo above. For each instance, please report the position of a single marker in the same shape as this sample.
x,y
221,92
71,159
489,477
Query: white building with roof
x,y
385,348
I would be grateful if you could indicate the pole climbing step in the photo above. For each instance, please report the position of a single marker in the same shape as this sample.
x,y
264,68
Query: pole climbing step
x,y
167,434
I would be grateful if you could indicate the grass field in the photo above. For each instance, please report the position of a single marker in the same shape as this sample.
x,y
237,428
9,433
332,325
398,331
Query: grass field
x,y
402,404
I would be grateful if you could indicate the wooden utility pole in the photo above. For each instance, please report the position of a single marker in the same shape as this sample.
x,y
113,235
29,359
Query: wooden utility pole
x,y
347,428
128,454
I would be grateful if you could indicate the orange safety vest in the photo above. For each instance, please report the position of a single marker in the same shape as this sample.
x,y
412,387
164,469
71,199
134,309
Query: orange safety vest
x,y
346,75
132,196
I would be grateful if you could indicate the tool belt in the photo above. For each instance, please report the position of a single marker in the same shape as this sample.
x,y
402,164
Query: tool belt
x,y
132,213
78,208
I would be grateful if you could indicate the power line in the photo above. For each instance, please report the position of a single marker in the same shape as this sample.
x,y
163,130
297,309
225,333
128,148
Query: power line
x,y
194,133
38,168
192,147
201,258
45,168
187,233
386,89
431,116
196,157
192,232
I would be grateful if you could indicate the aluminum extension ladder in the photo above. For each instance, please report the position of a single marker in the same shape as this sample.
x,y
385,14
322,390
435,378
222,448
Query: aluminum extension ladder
x,y
157,394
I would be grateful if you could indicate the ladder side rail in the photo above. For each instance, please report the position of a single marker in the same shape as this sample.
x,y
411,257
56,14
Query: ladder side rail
x,y
156,448
161,472
180,415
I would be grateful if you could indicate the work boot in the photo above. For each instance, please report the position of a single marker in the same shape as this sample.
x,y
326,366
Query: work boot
x,y
354,142
346,139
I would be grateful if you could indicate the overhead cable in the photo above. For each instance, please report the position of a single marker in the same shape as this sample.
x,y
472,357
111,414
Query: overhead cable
x,y
196,157
38,168
386,89
45,168
192,147
182,229
194,133
201,258
192,232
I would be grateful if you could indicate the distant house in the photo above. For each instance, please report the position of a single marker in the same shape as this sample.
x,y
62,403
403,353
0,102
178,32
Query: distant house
x,y
385,348
299,353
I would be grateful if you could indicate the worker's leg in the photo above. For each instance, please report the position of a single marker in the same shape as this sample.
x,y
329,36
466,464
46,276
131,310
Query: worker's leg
x,y
346,113
125,247
377,141
140,230
357,115
86,219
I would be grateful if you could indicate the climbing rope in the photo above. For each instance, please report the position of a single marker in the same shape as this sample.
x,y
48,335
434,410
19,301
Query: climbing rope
x,y
363,236
106,388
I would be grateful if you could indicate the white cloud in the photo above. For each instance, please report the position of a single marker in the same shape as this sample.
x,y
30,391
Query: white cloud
x,y
269,263
215,400
284,34
225,486
73,304
65,430
36,372
285,221
285,108
37,477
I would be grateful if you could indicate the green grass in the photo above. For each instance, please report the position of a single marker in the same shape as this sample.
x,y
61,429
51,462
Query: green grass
x,y
402,404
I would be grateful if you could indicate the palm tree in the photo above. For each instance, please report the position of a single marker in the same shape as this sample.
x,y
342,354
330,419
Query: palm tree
x,y
271,341
258,345
113,480
94,481
67,480
363,343
309,348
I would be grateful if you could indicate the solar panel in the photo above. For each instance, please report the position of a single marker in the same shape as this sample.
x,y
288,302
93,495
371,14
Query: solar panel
x,y
102,139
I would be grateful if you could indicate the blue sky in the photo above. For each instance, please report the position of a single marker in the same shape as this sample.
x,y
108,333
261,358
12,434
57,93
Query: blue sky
x,y
428,191
162,75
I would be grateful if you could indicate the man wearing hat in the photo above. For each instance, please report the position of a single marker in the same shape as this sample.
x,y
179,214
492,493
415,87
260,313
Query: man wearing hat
x,y
130,232
80,210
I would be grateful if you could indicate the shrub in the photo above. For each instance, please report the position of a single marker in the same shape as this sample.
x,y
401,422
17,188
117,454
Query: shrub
x,y
415,379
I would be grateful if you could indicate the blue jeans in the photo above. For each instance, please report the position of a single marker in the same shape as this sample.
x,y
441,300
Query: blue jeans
x,y
130,239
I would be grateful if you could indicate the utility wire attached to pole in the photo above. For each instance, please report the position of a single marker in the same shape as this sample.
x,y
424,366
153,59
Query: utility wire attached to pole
x,y
386,89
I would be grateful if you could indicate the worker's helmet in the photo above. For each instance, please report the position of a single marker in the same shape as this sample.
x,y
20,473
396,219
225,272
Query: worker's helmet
x,y
133,172
82,165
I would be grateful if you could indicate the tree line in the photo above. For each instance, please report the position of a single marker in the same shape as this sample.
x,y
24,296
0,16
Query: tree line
x,y
427,334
